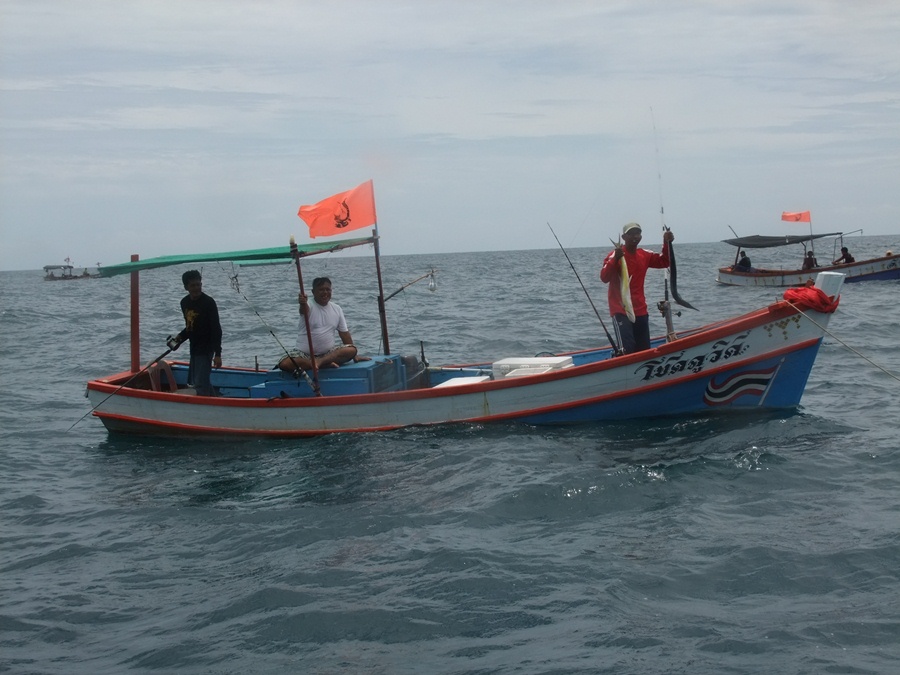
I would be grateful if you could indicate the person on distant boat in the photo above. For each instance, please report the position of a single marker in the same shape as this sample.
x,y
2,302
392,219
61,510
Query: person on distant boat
x,y
810,262
743,262
845,257
202,328
325,319
632,336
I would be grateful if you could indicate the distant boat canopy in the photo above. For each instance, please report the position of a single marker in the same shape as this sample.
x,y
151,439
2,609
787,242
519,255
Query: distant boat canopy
x,y
762,241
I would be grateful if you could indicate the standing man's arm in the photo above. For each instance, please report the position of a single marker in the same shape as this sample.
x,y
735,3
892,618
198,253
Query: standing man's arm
x,y
610,268
216,328
661,260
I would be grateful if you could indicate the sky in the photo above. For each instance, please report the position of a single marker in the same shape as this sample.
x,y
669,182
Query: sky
x,y
184,126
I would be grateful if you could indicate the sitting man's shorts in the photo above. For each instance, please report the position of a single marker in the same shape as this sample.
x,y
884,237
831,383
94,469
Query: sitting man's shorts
x,y
300,354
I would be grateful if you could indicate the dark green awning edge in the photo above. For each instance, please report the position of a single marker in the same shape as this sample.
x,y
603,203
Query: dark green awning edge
x,y
263,255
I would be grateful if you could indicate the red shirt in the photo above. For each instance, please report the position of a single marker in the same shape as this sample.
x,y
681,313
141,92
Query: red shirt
x,y
638,264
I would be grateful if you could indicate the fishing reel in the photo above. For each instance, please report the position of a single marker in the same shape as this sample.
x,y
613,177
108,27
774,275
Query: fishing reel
x,y
665,308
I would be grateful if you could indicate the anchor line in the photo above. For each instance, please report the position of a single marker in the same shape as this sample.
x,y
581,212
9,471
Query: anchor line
x,y
843,344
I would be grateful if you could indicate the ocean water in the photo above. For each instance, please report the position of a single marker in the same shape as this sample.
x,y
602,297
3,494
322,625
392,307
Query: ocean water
x,y
724,544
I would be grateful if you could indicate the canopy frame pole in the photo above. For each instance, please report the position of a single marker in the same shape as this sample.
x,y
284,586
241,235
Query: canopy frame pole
x,y
382,313
135,318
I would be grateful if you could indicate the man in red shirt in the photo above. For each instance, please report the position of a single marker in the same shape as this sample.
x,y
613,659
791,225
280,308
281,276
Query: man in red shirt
x,y
633,336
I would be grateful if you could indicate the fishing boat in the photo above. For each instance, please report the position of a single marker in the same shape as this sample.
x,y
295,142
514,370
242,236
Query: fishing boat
x,y
874,269
759,360
66,272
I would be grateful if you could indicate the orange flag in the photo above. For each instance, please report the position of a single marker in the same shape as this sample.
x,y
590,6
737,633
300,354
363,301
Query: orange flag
x,y
801,217
342,212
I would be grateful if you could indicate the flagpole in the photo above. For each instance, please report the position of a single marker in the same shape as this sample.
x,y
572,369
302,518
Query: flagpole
x,y
812,244
801,217
350,210
295,254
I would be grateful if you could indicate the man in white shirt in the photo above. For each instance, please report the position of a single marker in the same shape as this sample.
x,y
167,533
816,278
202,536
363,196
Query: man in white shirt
x,y
325,318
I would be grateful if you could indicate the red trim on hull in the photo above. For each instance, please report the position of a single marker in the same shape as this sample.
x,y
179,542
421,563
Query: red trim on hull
x,y
852,272
138,425
774,312
134,424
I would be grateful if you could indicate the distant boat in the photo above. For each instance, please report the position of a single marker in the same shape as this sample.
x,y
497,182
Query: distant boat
x,y
67,272
759,360
874,269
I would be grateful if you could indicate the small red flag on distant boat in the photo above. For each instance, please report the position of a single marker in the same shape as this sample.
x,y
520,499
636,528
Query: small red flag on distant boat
x,y
800,217
342,212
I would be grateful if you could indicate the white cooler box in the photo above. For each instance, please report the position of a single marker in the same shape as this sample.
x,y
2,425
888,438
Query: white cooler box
x,y
517,367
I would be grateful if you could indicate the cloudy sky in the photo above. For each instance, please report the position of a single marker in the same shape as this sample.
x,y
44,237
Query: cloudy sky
x,y
181,126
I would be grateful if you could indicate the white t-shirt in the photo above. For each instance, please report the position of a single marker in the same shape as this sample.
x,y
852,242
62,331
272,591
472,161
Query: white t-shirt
x,y
323,323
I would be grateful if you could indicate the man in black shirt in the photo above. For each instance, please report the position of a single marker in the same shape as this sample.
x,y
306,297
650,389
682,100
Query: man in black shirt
x,y
202,328
845,258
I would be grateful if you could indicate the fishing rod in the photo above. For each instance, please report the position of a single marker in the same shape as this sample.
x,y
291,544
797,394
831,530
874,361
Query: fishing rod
x,y
432,286
298,371
577,276
736,255
673,269
124,384
665,309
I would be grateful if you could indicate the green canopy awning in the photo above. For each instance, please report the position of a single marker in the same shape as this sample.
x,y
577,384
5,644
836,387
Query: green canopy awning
x,y
255,256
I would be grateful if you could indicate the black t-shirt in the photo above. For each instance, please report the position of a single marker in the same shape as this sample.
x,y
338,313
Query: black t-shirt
x,y
202,327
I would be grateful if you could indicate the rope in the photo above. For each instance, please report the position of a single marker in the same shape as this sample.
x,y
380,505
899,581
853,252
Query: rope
x,y
844,344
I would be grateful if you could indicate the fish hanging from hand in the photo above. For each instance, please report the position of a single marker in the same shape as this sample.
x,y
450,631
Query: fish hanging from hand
x,y
673,276
625,285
